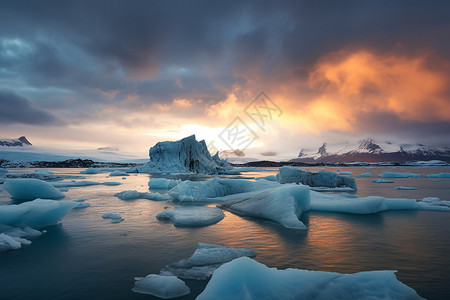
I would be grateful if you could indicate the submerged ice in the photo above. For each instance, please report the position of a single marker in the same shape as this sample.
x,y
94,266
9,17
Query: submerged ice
x,y
165,287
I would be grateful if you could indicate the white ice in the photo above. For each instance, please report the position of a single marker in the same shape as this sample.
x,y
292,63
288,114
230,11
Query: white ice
x,y
381,181
35,214
400,175
364,175
290,174
191,216
90,171
115,218
205,260
283,204
203,191
163,183
132,194
244,278
441,175
405,188
165,287
12,238
118,173
82,183
30,189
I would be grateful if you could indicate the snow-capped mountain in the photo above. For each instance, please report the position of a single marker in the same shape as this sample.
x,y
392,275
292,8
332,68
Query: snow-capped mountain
x,y
369,151
20,142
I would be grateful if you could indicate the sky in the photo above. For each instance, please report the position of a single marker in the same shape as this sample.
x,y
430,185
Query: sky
x,y
267,77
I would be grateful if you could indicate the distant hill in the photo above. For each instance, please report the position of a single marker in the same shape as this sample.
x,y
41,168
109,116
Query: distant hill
x,y
369,151
20,142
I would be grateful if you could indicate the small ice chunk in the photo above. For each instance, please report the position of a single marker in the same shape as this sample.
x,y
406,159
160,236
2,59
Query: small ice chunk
x,y
205,260
30,189
405,188
381,181
132,195
165,287
364,175
115,218
441,175
344,172
82,205
190,216
90,171
244,278
400,175
118,173
74,183
163,183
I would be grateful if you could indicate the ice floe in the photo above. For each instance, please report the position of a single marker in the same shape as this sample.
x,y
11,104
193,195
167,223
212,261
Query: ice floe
x,y
132,194
441,175
405,188
118,173
165,287
244,278
381,181
205,260
30,189
269,178
203,191
290,174
400,175
90,171
35,214
364,175
283,204
163,183
190,216
82,183
115,218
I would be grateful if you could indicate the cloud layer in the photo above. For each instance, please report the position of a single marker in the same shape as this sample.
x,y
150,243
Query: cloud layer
x,y
150,70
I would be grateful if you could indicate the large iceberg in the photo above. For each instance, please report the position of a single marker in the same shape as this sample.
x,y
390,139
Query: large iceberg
x,y
165,287
283,204
183,156
205,260
30,189
290,174
191,216
244,278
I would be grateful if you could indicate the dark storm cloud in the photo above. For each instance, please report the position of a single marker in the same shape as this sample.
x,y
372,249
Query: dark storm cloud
x,y
16,109
104,51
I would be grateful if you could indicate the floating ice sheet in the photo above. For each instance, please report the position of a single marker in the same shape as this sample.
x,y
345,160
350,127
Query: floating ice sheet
x,y
165,287
190,216
244,278
30,189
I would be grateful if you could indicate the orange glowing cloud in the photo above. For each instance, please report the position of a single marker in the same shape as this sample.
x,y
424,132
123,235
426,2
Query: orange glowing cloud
x,y
365,82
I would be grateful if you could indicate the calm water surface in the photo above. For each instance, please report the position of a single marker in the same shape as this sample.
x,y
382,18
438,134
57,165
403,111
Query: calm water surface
x,y
87,257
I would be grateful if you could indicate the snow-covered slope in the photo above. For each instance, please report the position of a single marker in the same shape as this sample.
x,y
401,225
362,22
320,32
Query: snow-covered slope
x,y
370,151
20,142
184,156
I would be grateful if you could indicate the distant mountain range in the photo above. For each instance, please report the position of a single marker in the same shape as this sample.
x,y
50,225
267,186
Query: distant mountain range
x,y
20,142
369,151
